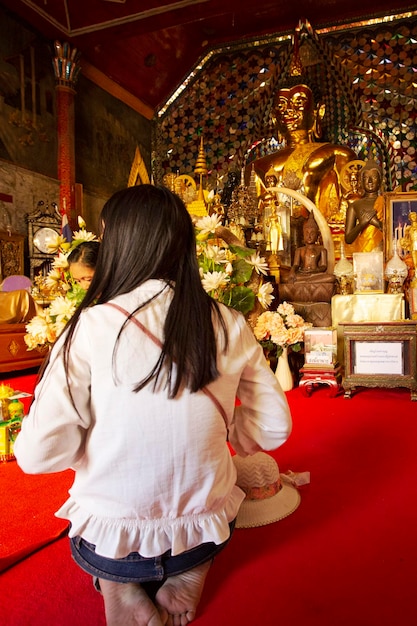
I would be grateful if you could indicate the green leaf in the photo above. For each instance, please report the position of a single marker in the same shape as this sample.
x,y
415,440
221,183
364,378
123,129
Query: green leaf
x,y
241,252
76,294
240,298
242,271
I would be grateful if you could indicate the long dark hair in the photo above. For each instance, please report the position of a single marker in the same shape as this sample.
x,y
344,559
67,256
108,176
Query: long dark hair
x,y
148,234
85,253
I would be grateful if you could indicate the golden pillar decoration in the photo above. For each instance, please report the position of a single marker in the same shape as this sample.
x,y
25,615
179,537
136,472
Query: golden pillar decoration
x,y
66,71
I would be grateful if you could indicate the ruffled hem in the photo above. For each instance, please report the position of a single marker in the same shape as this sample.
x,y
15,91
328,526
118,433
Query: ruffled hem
x,y
116,538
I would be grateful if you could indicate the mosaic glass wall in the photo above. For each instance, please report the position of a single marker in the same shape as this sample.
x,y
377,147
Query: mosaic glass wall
x,y
367,78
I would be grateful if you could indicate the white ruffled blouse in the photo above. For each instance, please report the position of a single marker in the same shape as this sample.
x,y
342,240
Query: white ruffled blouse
x,y
151,474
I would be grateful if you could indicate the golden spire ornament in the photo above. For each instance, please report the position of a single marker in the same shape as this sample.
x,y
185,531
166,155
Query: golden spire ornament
x,y
201,168
296,67
199,206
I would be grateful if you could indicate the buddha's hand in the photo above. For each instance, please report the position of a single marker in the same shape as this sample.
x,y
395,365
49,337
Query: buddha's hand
x,y
366,216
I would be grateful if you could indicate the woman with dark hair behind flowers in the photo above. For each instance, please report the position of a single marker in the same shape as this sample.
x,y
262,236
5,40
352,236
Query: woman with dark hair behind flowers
x,y
82,262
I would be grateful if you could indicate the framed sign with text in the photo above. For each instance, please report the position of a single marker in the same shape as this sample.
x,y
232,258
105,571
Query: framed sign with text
x,y
380,354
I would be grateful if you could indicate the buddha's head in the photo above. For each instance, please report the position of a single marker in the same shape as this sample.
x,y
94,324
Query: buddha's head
x,y
371,177
271,178
296,116
311,230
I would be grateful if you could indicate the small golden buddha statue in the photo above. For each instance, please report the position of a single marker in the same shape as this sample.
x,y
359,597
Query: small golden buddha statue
x,y
350,181
267,200
275,242
409,242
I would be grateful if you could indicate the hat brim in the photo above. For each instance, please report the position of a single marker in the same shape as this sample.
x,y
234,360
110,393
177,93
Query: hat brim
x,y
254,513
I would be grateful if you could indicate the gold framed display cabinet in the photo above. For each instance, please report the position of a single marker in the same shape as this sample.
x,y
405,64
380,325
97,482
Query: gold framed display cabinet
x,y
380,354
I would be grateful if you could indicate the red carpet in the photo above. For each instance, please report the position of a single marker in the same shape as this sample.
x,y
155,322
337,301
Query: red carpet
x,y
28,502
346,557
27,520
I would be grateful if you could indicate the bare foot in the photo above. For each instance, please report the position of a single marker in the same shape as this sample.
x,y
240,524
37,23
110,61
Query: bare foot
x,y
127,604
180,595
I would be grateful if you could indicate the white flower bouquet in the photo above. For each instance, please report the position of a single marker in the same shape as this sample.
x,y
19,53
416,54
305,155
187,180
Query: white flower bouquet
x,y
228,270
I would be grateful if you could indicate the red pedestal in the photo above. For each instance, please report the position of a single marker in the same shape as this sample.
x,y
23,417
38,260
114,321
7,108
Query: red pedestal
x,y
312,376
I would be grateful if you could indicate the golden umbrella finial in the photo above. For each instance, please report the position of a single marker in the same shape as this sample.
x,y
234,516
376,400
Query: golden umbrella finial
x,y
296,67
201,168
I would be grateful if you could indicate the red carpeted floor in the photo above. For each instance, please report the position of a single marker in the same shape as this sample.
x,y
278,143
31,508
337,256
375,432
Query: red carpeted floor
x,y
346,557
27,519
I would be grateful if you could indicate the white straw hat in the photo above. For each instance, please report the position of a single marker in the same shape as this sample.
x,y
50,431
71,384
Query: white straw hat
x,y
268,499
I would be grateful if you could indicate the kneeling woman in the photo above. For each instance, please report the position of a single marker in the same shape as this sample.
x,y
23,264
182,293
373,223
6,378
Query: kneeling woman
x,y
139,397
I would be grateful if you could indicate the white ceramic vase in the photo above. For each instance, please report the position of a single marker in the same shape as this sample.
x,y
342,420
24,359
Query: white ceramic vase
x,y
283,372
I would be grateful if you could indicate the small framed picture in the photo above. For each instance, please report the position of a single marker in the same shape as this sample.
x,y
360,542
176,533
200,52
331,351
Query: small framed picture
x,y
398,206
320,346
368,271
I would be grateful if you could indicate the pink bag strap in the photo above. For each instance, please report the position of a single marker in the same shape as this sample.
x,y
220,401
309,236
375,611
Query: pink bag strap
x,y
151,336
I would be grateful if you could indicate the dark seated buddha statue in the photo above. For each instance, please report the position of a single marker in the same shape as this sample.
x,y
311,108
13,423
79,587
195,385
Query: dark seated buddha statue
x,y
308,279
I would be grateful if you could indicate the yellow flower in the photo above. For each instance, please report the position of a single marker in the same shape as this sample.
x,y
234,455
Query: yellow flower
x,y
56,243
5,391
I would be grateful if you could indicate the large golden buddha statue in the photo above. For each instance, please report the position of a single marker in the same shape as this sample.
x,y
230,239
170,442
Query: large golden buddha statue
x,y
317,166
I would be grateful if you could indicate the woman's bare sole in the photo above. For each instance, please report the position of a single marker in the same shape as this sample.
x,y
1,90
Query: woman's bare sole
x,y
180,595
128,604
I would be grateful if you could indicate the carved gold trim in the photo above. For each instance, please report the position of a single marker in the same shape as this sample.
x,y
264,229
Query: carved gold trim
x,y
13,347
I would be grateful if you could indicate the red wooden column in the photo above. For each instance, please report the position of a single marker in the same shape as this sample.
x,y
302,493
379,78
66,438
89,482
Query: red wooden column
x,y
66,70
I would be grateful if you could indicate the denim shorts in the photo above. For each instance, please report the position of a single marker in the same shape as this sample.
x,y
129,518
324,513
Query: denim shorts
x,y
135,568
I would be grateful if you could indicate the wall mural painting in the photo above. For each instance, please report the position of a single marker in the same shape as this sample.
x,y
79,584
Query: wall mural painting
x,y
107,133
27,94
